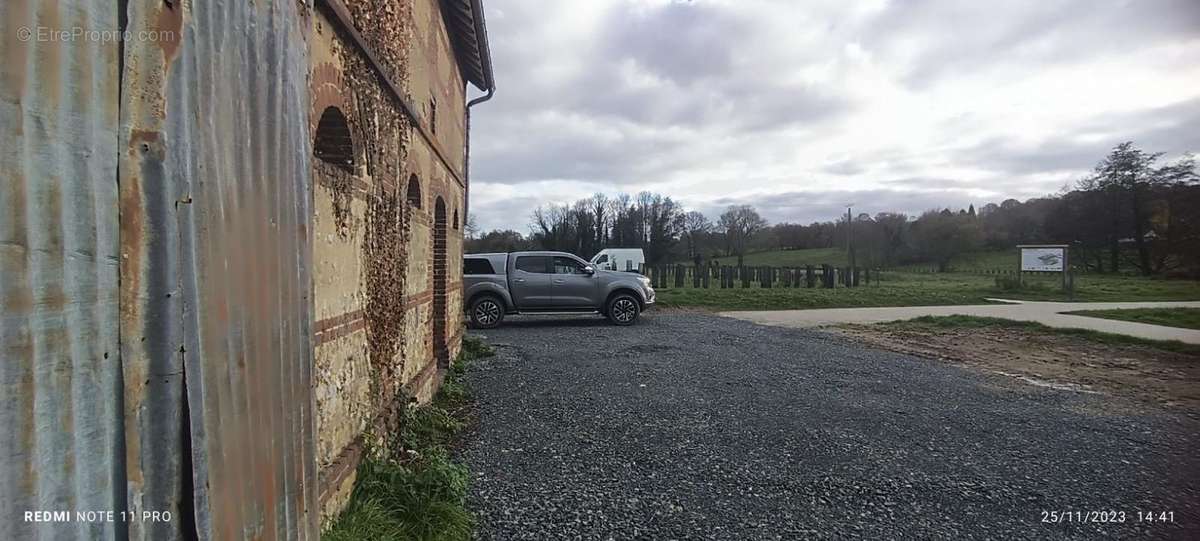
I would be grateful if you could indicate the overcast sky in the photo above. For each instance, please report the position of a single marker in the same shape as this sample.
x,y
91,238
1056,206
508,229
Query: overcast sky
x,y
799,107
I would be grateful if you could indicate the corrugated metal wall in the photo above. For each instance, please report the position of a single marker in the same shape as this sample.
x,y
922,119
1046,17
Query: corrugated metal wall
x,y
60,377
216,218
155,291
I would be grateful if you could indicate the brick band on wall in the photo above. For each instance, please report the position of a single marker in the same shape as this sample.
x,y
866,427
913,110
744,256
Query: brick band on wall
x,y
343,325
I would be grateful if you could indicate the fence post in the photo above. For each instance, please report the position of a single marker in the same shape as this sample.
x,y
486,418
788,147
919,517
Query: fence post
x,y
810,277
856,272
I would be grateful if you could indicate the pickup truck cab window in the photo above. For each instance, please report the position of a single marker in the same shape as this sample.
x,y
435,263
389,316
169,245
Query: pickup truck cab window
x,y
566,265
539,264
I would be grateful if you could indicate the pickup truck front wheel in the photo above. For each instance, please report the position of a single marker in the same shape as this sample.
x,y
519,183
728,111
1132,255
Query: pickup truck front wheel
x,y
487,312
623,309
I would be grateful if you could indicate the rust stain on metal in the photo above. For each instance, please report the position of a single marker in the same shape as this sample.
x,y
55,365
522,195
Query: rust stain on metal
x,y
170,25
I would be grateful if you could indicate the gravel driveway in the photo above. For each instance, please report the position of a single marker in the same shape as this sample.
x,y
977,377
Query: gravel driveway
x,y
692,426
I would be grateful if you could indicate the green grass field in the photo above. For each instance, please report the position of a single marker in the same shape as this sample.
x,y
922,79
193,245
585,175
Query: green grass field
x,y
913,289
1184,318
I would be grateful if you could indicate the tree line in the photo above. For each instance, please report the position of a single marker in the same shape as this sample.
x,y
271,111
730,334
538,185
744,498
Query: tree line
x,y
1131,214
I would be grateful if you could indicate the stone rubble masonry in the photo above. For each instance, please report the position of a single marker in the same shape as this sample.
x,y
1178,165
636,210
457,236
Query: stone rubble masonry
x,y
348,402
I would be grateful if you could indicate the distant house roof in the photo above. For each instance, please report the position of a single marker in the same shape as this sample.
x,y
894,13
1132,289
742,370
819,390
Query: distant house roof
x,y
464,18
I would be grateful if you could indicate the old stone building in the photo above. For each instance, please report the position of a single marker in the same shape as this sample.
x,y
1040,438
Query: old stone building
x,y
389,118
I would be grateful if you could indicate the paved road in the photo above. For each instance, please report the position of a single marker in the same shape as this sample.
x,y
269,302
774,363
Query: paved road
x,y
691,426
1047,313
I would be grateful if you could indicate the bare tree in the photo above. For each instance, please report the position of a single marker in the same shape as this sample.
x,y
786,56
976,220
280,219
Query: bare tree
x,y
695,227
740,223
600,205
471,228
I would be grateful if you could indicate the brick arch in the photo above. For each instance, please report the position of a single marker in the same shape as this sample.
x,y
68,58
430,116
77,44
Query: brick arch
x,y
328,89
439,191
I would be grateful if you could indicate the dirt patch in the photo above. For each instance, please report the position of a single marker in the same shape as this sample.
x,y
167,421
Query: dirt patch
x,y
1144,374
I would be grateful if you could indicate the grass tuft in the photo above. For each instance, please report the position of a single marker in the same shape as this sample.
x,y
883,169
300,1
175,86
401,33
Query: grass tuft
x,y
417,492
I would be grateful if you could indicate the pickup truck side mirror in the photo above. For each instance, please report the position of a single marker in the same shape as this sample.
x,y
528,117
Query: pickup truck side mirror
x,y
589,270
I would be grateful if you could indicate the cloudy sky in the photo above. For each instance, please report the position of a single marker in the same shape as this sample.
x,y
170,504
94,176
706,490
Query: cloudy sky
x,y
799,107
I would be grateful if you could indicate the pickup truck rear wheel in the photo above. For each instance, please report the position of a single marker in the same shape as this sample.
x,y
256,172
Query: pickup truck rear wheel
x,y
487,312
623,309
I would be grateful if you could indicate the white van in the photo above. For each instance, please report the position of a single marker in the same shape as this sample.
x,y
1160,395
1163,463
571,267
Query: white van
x,y
619,259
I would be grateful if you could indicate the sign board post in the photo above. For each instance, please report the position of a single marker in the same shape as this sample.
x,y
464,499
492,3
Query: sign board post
x,y
1043,258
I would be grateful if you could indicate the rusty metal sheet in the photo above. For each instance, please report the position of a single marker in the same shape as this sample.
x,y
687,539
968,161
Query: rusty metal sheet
x,y
60,383
216,311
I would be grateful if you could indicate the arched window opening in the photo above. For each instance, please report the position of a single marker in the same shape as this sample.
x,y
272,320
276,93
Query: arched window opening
x,y
455,222
414,192
333,144
441,310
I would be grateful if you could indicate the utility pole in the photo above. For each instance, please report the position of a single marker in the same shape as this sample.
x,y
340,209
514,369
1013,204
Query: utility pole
x,y
850,236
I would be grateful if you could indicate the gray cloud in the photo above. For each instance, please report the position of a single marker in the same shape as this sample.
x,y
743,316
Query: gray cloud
x,y
956,38
1168,129
686,43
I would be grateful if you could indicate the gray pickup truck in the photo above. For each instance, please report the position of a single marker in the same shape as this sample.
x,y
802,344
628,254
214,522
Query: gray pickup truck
x,y
549,283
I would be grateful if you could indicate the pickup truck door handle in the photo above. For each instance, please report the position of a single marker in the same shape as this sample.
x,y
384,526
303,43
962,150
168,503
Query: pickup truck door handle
x,y
559,281
519,280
